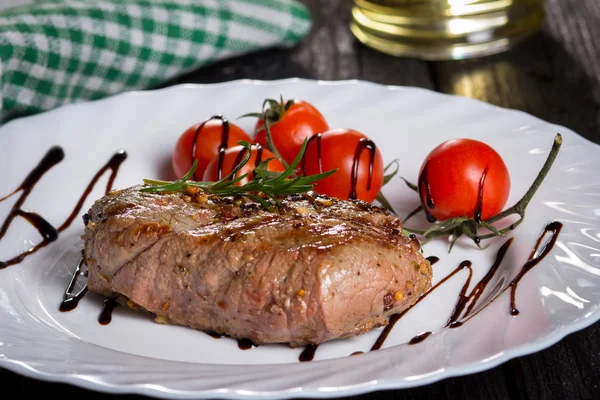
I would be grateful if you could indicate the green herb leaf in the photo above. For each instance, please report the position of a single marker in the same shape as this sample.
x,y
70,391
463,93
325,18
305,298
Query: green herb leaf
x,y
385,203
267,183
388,177
410,185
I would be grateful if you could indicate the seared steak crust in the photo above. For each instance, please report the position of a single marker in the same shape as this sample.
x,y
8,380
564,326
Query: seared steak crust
x,y
314,269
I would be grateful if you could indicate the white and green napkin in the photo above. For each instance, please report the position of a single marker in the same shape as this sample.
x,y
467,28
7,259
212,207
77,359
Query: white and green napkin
x,y
58,52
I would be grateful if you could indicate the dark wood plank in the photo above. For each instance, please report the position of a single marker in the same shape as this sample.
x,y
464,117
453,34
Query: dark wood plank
x,y
567,370
554,75
329,52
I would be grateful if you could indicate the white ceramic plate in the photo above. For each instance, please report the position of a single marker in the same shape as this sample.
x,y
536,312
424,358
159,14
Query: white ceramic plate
x,y
135,354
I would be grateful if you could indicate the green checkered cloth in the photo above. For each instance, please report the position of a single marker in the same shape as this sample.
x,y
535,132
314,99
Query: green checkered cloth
x,y
58,52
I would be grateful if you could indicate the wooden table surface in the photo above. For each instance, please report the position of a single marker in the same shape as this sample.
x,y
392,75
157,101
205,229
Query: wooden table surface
x,y
554,75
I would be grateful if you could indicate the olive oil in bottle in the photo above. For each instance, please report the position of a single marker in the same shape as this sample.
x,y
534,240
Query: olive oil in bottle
x,y
444,29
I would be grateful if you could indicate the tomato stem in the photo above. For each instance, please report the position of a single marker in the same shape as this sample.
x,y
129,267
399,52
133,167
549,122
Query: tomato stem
x,y
269,116
271,144
521,205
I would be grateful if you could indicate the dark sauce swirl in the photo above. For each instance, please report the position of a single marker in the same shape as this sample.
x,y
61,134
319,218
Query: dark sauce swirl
x,y
423,185
70,301
459,316
479,205
54,156
222,145
433,259
419,338
317,138
308,354
105,317
49,233
360,147
238,158
463,298
554,228
246,344
396,317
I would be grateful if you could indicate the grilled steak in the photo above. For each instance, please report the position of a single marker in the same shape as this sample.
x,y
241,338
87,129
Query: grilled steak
x,y
312,270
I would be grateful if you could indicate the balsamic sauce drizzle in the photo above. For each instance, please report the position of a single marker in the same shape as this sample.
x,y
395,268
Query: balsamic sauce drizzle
x,y
472,298
362,144
433,259
479,204
419,338
554,227
242,153
46,230
238,158
259,155
424,183
113,165
318,138
308,354
222,145
54,156
396,317
462,295
110,303
462,301
49,233
70,301
246,344
478,290
360,147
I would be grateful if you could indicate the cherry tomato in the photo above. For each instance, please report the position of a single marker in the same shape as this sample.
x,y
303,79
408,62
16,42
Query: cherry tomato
x,y
208,142
357,177
292,126
463,177
233,156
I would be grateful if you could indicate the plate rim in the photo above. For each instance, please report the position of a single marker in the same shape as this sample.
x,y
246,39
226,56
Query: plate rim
x,y
90,383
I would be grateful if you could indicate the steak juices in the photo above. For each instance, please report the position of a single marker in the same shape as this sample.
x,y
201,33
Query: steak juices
x,y
312,270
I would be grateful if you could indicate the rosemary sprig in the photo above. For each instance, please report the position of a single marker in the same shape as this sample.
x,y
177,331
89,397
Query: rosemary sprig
x,y
265,185
454,228
386,178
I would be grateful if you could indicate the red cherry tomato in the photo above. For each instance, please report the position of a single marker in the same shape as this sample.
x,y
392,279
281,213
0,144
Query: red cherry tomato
x,y
208,142
233,156
463,177
300,121
357,177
